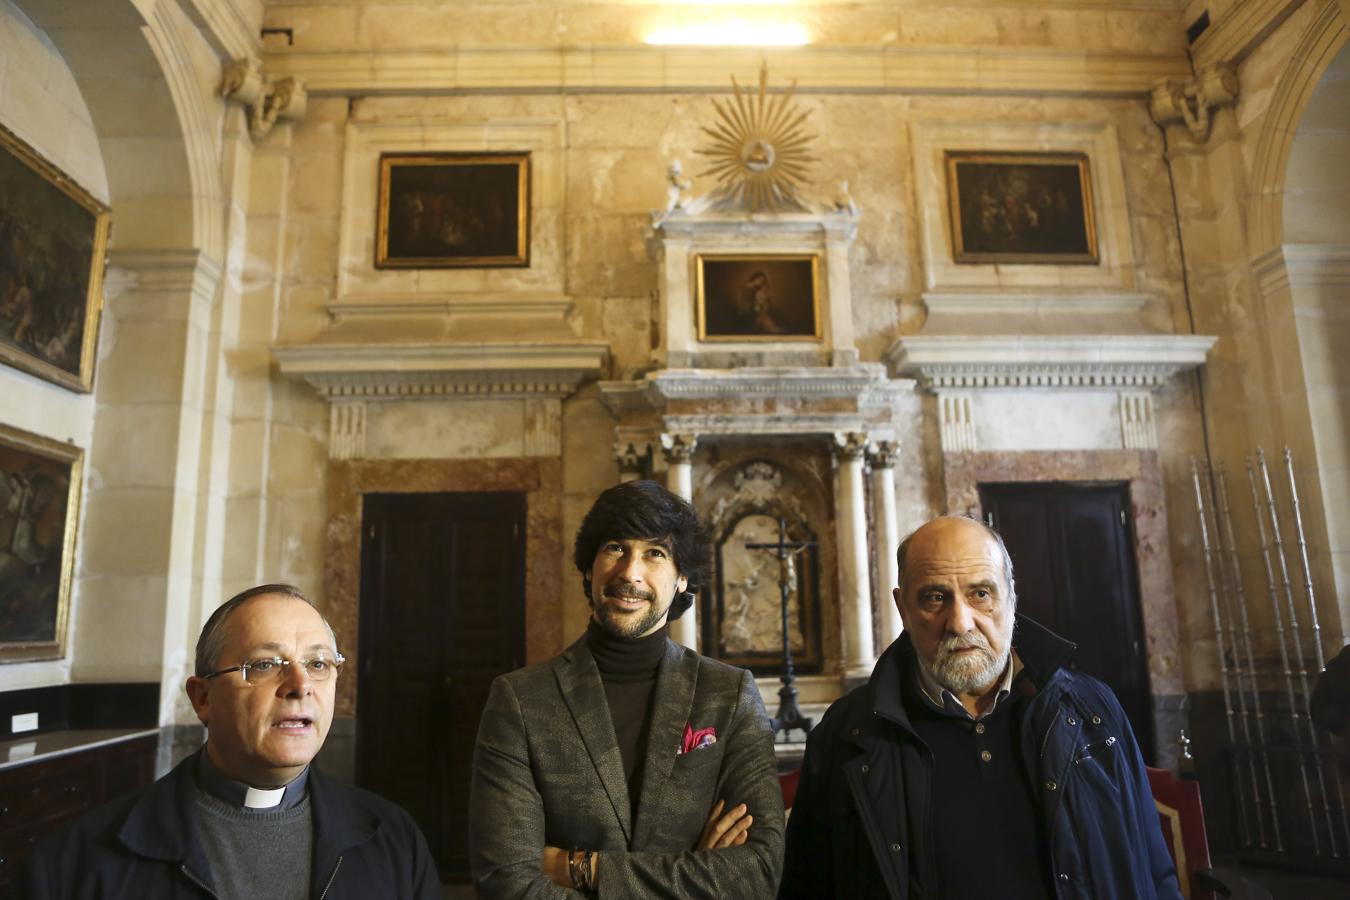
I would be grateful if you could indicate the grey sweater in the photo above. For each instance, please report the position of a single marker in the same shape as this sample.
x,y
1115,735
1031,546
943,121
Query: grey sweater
x,y
257,854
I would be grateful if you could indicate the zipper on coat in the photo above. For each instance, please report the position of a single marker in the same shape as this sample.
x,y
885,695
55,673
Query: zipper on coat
x,y
330,879
197,881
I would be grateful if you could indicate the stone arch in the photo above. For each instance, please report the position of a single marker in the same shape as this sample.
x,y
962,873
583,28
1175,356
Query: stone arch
x,y
155,125
1319,44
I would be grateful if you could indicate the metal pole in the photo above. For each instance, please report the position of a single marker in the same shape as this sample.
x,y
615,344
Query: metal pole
x,y
1223,660
1226,607
1313,622
1284,653
1229,540
1297,635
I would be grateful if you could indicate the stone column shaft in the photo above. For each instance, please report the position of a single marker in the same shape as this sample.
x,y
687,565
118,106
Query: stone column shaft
x,y
888,538
855,601
679,453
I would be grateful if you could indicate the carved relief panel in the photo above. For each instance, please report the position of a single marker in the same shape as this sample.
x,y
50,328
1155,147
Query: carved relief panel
x,y
746,499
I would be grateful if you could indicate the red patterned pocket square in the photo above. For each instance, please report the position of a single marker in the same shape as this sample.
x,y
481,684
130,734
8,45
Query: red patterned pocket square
x,y
696,740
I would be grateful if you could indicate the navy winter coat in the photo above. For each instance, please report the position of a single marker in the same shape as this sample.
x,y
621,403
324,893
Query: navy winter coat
x,y
859,828
146,846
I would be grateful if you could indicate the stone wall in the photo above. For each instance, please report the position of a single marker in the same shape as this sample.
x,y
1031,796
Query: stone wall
x,y
41,104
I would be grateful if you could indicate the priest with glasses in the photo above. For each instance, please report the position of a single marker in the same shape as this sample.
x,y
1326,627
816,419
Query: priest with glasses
x,y
247,815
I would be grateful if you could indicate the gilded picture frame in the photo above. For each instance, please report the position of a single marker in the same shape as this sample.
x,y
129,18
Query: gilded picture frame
x,y
758,297
453,211
53,251
40,484
1021,208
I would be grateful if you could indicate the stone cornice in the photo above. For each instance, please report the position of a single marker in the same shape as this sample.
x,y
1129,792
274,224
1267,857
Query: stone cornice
x,y
1018,361
866,381
1241,29
817,68
431,371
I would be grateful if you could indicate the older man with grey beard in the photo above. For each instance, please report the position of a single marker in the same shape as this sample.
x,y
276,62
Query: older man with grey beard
x,y
973,763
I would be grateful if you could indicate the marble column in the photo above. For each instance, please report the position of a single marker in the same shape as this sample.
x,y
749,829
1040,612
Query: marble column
x,y
679,453
882,457
855,601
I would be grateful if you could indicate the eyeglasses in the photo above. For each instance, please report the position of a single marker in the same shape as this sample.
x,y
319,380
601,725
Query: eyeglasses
x,y
269,669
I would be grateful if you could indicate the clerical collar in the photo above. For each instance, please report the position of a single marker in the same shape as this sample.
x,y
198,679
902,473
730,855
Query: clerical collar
x,y
242,796
626,659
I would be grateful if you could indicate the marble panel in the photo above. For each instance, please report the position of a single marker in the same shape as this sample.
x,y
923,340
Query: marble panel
x,y
1047,420
538,479
963,473
455,430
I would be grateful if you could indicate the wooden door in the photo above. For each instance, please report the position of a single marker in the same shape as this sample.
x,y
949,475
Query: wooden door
x,y
442,614
1073,560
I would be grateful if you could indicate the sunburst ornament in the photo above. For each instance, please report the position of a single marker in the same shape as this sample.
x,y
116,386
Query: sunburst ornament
x,y
759,149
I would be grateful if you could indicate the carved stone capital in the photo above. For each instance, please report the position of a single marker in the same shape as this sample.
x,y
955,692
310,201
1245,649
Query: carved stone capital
x,y
679,448
1193,101
632,457
850,445
882,454
267,100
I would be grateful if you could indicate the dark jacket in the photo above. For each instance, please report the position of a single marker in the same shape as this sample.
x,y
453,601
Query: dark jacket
x,y
860,825
547,771
146,846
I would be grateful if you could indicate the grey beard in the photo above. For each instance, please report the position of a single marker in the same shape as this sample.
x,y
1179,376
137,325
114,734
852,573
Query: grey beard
x,y
962,675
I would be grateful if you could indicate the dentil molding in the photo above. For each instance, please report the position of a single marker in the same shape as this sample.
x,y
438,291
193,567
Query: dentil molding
x,y
1035,361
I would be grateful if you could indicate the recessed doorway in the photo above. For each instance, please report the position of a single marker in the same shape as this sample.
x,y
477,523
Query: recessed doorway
x,y
441,614
1073,560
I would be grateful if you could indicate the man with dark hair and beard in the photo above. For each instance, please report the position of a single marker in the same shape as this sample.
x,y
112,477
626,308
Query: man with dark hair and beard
x,y
973,763
628,766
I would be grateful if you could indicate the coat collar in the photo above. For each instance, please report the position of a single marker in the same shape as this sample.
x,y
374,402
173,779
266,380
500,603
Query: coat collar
x,y
162,824
584,694
672,704
1042,653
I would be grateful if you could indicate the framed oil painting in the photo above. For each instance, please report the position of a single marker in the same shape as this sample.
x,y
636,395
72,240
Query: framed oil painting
x,y
758,298
453,211
1024,208
39,512
53,245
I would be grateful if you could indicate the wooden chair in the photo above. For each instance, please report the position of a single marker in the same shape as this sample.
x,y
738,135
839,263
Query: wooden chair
x,y
1182,819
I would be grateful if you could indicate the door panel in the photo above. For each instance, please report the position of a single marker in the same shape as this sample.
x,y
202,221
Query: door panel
x,y
1073,561
442,614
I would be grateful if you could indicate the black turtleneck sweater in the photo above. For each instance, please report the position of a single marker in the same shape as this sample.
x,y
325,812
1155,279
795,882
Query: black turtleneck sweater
x,y
628,668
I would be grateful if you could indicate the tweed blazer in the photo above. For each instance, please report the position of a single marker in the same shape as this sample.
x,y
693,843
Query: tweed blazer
x,y
547,772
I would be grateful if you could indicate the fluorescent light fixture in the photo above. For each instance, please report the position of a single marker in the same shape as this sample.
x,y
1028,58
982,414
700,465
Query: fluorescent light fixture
x,y
732,33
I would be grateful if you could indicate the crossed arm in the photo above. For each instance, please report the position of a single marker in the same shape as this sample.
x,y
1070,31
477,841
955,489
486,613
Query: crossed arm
x,y
735,855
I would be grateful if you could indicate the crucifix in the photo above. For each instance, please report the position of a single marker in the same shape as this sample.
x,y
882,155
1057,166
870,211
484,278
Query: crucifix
x,y
789,716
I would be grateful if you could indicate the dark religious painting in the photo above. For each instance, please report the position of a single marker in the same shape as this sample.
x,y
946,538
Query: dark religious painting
x,y
53,239
758,298
1021,208
453,210
39,505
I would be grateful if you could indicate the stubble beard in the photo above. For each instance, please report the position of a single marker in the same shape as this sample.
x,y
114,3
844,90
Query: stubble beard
x,y
626,626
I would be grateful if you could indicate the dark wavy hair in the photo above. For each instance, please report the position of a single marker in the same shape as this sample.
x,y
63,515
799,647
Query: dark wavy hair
x,y
644,510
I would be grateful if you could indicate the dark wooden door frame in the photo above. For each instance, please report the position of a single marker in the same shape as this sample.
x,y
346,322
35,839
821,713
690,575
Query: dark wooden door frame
x,y
442,608
1072,577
